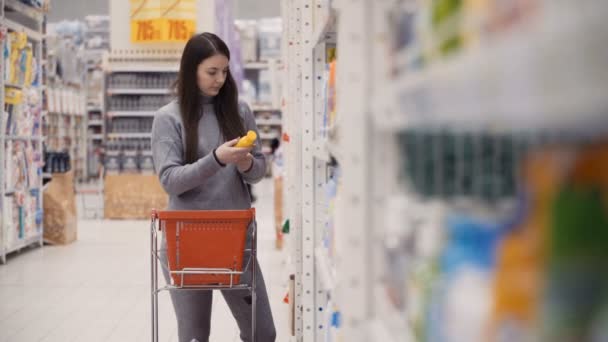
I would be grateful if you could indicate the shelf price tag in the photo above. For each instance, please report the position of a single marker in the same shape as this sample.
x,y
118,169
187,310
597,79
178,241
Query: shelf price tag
x,y
157,21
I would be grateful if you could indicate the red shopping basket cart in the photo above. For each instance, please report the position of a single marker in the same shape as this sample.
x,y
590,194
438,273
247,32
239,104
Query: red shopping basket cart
x,y
205,251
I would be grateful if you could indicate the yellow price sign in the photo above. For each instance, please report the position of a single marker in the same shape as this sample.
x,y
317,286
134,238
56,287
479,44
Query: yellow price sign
x,y
154,21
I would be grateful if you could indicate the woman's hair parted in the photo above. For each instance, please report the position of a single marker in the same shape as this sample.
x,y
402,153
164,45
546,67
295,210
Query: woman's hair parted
x,y
225,103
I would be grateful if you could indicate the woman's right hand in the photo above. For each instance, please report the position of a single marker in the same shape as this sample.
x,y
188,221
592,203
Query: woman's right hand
x,y
228,154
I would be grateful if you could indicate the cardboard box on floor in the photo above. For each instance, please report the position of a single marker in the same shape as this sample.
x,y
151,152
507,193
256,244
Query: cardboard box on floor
x,y
60,219
132,196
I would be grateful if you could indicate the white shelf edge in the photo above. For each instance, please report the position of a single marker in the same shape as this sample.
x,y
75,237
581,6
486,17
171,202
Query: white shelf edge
x,y
269,122
138,91
141,68
263,108
129,135
126,113
15,26
24,243
256,66
269,136
30,11
23,138
479,89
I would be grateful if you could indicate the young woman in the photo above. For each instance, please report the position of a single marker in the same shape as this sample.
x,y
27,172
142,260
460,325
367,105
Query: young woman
x,y
193,142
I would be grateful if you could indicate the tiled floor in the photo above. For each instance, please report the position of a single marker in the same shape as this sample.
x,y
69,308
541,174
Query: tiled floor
x,y
98,288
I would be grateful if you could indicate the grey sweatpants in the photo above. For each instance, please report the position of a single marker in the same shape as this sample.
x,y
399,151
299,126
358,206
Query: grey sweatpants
x,y
193,309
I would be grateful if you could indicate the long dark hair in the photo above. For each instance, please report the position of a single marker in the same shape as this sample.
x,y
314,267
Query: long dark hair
x,y
225,103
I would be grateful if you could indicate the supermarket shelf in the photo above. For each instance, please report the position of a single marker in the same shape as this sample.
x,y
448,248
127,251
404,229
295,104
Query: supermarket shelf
x,y
125,113
138,91
94,109
15,26
146,153
326,271
30,11
95,122
264,108
269,136
6,84
326,26
24,243
96,136
10,192
97,31
269,122
23,138
256,66
143,68
547,76
129,135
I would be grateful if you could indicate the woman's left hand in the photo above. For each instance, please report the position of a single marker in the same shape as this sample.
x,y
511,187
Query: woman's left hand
x,y
245,163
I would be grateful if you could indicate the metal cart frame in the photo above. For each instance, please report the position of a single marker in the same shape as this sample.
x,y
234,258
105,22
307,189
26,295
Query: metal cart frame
x,y
209,218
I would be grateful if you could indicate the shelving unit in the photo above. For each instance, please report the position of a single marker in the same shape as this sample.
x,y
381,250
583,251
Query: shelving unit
x,y
65,122
312,173
532,81
266,108
132,98
21,134
97,42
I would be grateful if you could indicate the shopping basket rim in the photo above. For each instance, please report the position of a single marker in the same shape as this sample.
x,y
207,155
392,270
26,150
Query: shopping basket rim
x,y
203,214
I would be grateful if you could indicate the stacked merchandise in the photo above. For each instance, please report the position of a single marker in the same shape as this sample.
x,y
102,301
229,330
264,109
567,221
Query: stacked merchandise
x,y
133,98
498,234
65,123
97,42
20,123
260,50
133,94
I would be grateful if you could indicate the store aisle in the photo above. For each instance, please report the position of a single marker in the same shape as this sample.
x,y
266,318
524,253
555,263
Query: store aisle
x,y
98,289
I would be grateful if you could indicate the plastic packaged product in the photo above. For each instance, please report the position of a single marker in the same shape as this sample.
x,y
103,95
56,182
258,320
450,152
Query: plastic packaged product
x,y
521,257
270,33
576,290
462,299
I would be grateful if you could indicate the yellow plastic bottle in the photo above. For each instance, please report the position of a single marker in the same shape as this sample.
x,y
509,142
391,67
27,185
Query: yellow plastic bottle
x,y
248,140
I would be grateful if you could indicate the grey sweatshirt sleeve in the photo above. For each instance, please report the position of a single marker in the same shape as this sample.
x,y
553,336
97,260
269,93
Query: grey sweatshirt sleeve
x,y
167,152
258,169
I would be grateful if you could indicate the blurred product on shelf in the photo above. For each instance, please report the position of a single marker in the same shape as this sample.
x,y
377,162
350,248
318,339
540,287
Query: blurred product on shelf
x,y
35,3
532,272
97,32
448,164
260,39
141,81
427,33
137,102
270,32
248,36
57,162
